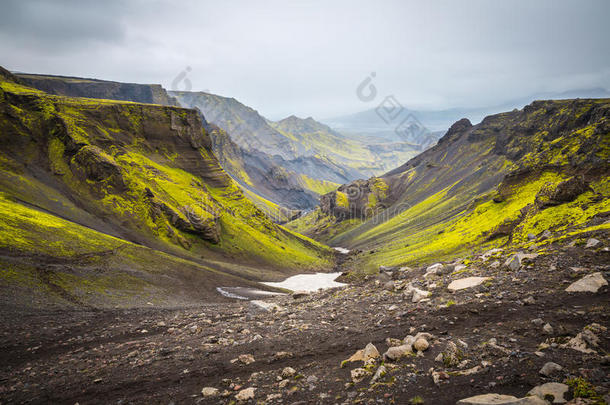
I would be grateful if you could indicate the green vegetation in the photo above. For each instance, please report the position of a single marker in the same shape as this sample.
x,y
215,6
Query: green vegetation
x,y
583,389
122,168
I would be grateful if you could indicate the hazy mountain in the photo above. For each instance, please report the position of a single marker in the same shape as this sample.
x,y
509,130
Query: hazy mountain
x,y
378,123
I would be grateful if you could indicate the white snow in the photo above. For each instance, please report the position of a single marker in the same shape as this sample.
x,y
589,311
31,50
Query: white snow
x,y
308,282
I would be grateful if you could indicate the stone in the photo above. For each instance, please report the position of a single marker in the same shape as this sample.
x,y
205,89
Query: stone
x,y
288,372
547,328
383,269
381,371
499,399
246,359
589,283
592,242
369,352
389,286
358,374
419,295
586,340
513,262
421,345
397,352
434,269
245,394
550,368
459,267
264,306
209,392
556,390
467,282
299,294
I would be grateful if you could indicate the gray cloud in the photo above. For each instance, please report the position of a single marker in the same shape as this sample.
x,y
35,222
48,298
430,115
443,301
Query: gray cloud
x,y
307,57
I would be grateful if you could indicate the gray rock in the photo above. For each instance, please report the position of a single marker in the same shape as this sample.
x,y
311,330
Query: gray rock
x,y
550,368
592,243
498,399
263,306
513,262
421,345
556,390
209,392
397,352
245,394
467,282
389,286
358,374
590,283
381,371
547,328
288,372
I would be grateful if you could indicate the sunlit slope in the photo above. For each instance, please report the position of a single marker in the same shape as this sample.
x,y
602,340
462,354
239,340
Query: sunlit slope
x,y
481,186
141,173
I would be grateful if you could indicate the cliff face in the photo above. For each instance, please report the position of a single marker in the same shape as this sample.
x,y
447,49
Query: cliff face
x,y
93,88
132,177
478,186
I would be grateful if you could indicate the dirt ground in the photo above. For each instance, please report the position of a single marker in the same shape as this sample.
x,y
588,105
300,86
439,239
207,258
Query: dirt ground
x,y
145,356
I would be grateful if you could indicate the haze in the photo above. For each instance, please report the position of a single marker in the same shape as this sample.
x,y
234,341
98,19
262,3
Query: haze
x,y
307,58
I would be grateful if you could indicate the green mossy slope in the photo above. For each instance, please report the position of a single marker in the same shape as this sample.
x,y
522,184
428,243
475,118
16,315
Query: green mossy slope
x,y
499,183
140,173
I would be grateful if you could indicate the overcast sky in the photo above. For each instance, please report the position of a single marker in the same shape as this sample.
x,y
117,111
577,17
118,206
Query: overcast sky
x,y
308,57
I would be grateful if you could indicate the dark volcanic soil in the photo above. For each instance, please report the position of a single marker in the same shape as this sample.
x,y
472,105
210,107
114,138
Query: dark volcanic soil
x,y
168,356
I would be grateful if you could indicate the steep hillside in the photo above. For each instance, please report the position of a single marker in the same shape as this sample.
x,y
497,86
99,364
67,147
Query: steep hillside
x,y
271,187
94,88
108,203
504,181
247,127
310,154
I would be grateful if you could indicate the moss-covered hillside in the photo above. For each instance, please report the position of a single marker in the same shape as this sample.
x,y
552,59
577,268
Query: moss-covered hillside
x,y
132,192
502,182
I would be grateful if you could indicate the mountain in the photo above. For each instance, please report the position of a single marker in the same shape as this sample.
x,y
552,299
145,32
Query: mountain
x,y
276,195
499,183
94,88
378,123
252,132
111,203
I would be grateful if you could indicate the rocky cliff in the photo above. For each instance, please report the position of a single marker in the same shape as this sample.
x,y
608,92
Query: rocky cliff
x,y
94,88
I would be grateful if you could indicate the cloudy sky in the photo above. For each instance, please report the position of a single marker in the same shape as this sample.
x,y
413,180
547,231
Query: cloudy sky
x,y
308,57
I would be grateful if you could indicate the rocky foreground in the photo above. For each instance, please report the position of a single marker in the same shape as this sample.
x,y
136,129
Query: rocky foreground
x,y
504,327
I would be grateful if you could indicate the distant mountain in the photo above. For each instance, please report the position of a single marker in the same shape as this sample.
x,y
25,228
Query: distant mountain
x,y
376,123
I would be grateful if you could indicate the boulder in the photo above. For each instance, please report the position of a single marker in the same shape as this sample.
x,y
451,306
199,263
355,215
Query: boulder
x,y
436,268
358,374
419,295
550,369
397,352
288,372
467,282
421,345
264,306
499,399
245,394
209,392
367,354
590,283
556,390
592,243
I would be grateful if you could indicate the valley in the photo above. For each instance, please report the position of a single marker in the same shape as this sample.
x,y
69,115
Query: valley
x,y
178,247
